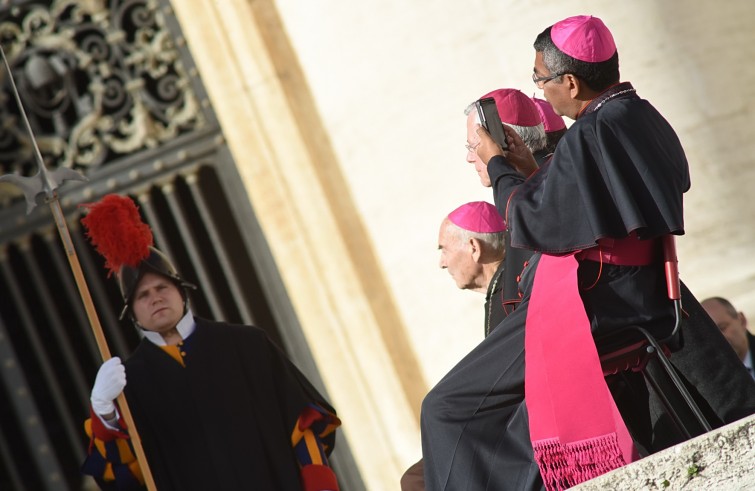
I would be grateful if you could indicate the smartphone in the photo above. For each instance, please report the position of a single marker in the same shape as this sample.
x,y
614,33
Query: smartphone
x,y
491,121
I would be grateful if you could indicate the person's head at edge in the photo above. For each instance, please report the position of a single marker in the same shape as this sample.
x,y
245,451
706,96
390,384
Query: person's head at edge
x,y
517,111
575,60
471,245
731,323
553,124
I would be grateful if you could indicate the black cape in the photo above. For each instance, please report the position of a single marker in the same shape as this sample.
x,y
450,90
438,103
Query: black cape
x,y
621,168
616,170
225,420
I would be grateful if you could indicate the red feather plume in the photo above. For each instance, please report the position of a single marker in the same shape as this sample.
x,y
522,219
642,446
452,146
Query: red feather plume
x,y
116,231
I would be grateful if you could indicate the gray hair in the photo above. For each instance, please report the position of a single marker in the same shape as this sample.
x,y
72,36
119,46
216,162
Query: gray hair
x,y
598,76
493,242
533,136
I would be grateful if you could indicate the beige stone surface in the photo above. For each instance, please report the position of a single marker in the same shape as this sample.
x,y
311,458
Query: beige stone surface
x,y
346,121
253,89
391,80
723,460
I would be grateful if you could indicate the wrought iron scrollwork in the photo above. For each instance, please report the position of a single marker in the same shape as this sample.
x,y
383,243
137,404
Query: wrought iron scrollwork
x,y
99,80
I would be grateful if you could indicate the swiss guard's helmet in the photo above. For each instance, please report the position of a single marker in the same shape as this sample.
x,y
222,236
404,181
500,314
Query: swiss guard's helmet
x,y
116,230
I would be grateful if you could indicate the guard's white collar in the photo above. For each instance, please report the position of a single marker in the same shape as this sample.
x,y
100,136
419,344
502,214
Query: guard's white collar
x,y
184,327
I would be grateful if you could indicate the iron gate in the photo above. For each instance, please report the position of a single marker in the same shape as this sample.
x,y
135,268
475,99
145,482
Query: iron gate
x,y
111,91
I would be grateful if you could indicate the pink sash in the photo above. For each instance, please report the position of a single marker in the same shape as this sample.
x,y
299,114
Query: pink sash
x,y
576,430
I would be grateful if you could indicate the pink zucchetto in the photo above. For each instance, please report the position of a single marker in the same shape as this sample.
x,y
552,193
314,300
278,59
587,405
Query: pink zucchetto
x,y
514,107
584,37
478,216
551,120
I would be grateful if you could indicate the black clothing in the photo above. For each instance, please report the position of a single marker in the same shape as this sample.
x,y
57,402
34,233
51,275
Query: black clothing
x,y
494,306
223,421
713,373
620,168
503,291
475,432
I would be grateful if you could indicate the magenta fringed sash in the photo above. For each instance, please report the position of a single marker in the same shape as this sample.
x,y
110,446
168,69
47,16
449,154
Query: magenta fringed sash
x,y
576,429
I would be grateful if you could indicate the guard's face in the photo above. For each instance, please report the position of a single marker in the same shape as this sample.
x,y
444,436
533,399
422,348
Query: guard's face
x,y
472,142
157,304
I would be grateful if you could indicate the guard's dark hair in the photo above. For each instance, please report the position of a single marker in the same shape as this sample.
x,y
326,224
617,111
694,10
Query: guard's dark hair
x,y
598,76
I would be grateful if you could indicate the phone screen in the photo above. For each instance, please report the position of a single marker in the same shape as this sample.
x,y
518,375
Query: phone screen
x,y
491,121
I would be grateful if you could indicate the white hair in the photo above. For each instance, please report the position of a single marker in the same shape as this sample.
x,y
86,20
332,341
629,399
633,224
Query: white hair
x,y
532,136
492,241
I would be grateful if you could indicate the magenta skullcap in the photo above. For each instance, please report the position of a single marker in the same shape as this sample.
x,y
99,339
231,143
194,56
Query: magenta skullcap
x,y
479,217
584,37
514,107
551,120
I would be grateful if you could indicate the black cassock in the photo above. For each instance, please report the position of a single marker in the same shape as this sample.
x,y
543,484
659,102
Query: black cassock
x,y
619,169
225,420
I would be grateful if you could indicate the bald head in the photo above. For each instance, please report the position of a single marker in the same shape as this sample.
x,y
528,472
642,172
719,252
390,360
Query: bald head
x,y
731,323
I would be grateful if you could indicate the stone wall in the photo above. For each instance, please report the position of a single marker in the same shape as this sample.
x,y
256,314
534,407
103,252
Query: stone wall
x,y
721,459
346,121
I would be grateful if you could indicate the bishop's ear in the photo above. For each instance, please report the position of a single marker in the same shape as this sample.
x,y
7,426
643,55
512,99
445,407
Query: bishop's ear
x,y
475,249
578,89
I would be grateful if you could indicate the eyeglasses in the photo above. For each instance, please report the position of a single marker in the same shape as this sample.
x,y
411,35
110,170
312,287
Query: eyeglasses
x,y
541,81
472,148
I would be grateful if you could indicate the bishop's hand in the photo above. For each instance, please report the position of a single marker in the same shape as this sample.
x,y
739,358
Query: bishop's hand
x,y
518,154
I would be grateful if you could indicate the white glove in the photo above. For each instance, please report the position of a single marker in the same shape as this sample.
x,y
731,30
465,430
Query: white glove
x,y
109,383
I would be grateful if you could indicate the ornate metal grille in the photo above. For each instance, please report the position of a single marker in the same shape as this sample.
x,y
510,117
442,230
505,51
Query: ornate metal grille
x,y
110,90
99,82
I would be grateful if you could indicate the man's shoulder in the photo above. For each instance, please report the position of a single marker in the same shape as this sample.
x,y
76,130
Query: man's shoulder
x,y
627,107
620,117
